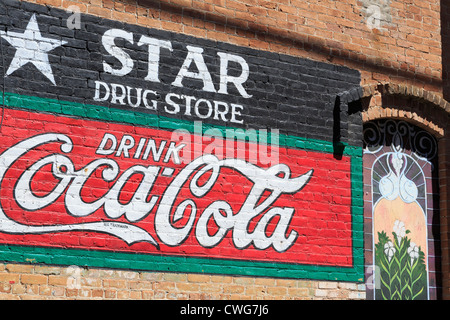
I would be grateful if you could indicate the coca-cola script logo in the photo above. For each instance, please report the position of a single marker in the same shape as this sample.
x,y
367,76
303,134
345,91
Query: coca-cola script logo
x,y
86,184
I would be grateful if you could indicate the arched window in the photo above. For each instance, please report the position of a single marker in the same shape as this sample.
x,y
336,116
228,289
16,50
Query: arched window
x,y
400,177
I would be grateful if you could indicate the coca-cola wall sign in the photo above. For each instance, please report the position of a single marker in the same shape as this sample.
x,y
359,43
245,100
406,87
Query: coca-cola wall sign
x,y
127,147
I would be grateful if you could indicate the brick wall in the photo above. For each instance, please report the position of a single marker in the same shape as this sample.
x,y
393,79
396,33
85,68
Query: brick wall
x,y
445,35
444,156
25,282
406,46
400,44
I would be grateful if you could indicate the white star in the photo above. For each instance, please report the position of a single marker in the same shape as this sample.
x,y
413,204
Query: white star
x,y
31,47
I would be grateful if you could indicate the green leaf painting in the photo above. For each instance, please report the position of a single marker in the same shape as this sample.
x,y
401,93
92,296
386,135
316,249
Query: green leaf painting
x,y
403,274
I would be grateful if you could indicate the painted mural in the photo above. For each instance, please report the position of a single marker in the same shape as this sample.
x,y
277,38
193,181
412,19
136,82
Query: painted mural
x,y
130,147
143,190
400,158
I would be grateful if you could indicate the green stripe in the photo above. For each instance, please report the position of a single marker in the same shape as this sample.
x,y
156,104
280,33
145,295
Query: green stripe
x,y
151,262
165,263
152,120
358,213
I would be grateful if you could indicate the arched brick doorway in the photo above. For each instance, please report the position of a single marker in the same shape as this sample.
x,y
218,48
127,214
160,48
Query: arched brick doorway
x,y
425,111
